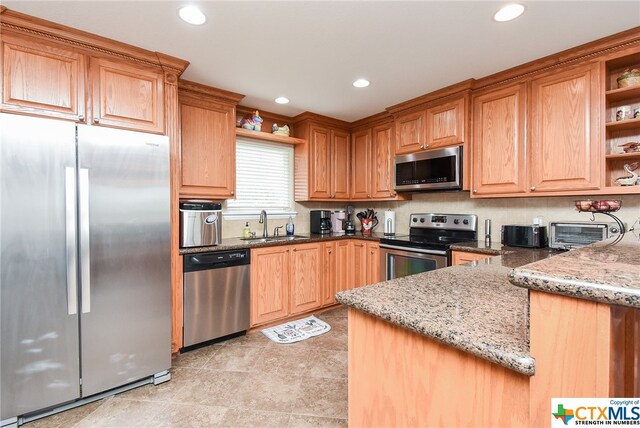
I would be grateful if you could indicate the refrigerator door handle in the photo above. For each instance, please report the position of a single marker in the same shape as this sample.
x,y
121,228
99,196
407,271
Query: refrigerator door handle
x,y
71,247
85,256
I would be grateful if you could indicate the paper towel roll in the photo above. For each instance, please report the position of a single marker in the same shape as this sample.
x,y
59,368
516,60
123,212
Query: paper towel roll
x,y
389,222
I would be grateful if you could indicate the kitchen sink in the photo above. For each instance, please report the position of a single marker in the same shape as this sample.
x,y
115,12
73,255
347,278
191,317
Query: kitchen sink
x,y
276,238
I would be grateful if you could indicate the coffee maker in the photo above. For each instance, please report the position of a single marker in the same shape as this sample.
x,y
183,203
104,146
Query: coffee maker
x,y
349,224
320,221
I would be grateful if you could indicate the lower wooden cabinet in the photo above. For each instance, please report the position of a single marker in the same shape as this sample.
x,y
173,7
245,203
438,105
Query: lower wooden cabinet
x,y
288,280
462,257
270,268
306,285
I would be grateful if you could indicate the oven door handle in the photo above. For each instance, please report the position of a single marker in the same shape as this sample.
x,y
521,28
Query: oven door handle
x,y
414,250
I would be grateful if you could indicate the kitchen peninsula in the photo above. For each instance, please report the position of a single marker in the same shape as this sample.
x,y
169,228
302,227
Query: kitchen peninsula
x,y
463,346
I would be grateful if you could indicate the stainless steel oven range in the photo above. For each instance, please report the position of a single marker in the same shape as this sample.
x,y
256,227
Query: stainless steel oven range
x,y
427,245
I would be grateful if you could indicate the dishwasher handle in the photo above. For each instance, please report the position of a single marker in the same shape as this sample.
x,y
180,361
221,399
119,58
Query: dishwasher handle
x,y
215,260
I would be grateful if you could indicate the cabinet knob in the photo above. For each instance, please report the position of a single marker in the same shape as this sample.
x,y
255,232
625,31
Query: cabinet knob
x,y
393,194
295,249
329,251
96,119
81,117
475,190
233,193
533,188
426,145
372,252
368,196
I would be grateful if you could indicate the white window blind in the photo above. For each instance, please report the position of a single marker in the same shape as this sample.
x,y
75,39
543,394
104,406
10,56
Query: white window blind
x,y
264,179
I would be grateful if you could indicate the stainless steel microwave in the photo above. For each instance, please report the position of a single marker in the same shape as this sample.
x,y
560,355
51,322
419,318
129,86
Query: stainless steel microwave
x,y
439,169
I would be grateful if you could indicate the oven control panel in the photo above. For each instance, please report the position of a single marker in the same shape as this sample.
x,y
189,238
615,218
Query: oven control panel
x,y
445,221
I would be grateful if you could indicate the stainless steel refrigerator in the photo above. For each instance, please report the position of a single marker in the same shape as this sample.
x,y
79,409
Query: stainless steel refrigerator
x,y
85,262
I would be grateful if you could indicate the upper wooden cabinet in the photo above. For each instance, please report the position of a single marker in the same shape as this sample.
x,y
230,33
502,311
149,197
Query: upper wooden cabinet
x,y
41,79
322,163
445,124
360,164
499,141
207,142
372,174
410,132
127,96
45,72
441,123
340,150
565,145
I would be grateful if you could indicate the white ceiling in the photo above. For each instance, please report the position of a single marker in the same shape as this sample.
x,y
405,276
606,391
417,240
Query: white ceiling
x,y
310,52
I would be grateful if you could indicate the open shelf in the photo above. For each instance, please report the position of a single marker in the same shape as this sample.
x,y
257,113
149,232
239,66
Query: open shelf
x,y
624,124
265,136
620,156
622,94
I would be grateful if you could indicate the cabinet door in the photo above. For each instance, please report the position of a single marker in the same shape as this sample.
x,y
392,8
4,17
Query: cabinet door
x,y
360,257
361,165
127,96
461,257
445,124
344,265
373,262
320,163
207,149
382,161
410,132
329,273
44,80
499,141
306,285
565,145
269,284
340,165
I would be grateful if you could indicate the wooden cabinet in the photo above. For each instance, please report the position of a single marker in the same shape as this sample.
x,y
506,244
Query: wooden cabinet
x,y
461,257
374,272
340,150
323,162
270,281
329,273
207,143
499,162
42,79
344,269
361,165
442,123
382,154
127,96
372,163
445,124
410,133
306,285
565,146
48,78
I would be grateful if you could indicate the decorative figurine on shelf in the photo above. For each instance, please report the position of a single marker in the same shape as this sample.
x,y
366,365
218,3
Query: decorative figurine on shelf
x,y
280,130
632,180
253,124
631,147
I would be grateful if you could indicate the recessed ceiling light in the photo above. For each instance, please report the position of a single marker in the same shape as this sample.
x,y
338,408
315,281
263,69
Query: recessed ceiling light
x,y
282,100
509,12
192,15
361,83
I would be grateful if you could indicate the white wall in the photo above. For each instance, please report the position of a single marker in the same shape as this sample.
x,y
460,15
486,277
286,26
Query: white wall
x,y
500,211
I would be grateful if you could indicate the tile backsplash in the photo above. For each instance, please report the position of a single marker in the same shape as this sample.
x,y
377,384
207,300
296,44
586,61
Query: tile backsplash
x,y
500,211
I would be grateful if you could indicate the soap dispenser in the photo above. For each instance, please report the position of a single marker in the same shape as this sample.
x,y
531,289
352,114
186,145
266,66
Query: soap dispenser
x,y
290,226
246,231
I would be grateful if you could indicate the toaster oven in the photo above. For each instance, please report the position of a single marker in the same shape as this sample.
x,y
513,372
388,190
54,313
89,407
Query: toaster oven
x,y
566,235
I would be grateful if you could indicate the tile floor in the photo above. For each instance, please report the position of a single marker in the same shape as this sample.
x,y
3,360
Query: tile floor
x,y
248,381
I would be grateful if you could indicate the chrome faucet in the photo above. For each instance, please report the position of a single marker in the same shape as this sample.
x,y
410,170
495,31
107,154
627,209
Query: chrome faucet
x,y
263,220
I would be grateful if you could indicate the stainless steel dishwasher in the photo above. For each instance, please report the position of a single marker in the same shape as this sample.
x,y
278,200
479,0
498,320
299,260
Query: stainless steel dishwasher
x,y
216,295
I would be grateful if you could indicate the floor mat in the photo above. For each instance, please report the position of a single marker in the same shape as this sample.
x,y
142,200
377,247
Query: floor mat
x,y
295,331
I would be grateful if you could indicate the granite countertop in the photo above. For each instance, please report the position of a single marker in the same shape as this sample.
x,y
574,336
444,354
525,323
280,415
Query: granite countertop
x,y
602,272
472,307
239,244
497,249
